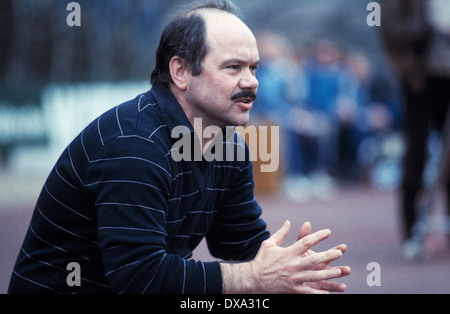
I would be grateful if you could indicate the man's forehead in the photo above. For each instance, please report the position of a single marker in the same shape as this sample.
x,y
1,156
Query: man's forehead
x,y
223,24
227,32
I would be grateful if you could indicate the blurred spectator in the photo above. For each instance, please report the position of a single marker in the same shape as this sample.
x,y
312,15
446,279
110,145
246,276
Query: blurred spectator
x,y
361,116
272,102
324,74
352,112
315,120
381,149
417,40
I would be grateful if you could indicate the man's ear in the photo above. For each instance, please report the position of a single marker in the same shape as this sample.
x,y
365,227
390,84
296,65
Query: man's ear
x,y
178,72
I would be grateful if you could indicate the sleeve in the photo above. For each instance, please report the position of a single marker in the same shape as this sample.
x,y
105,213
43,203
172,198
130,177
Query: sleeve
x,y
130,182
238,230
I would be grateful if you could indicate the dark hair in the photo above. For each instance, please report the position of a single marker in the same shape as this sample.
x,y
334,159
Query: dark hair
x,y
184,37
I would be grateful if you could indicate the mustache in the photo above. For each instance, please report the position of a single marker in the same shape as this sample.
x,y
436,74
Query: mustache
x,y
244,94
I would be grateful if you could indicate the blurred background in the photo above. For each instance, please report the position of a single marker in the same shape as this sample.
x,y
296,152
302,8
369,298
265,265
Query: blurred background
x,y
320,60
325,78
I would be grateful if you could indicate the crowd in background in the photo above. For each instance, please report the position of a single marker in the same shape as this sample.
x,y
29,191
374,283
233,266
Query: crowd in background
x,y
333,108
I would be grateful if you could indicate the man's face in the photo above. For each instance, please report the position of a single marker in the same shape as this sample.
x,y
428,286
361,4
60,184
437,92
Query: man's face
x,y
224,92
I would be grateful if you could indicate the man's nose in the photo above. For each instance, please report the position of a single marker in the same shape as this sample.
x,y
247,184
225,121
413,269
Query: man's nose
x,y
249,81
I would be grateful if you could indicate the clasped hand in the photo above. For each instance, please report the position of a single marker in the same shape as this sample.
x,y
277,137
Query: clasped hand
x,y
298,269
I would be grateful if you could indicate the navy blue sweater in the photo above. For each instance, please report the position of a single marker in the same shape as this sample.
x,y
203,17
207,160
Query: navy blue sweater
x,y
121,207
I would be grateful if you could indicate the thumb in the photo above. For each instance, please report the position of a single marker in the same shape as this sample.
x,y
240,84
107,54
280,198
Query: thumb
x,y
279,236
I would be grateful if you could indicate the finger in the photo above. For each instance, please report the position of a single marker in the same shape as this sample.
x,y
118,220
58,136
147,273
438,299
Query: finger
x,y
319,275
345,270
341,247
309,241
322,258
305,230
278,237
310,289
327,285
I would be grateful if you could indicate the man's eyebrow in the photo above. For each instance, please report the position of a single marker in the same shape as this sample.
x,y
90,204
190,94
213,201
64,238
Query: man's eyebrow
x,y
238,61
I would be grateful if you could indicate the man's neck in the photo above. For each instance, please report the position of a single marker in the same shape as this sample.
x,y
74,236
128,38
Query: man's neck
x,y
193,117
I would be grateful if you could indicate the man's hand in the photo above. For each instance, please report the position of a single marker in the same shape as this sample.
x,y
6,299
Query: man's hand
x,y
328,285
294,269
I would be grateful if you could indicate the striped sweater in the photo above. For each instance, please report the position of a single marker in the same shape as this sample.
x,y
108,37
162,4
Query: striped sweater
x,y
117,204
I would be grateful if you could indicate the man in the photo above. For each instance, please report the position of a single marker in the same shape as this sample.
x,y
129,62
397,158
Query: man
x,y
417,41
117,204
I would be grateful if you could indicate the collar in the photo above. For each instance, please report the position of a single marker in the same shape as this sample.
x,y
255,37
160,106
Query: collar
x,y
171,109
174,114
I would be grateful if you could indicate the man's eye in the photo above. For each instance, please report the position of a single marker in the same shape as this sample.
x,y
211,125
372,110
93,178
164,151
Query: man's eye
x,y
234,67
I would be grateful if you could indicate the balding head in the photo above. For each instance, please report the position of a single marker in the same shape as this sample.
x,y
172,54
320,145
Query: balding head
x,y
225,29
185,37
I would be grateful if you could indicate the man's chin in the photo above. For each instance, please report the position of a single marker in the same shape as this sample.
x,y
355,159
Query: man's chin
x,y
243,121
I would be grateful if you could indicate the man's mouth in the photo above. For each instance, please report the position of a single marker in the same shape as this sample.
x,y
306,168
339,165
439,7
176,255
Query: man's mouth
x,y
245,100
245,97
